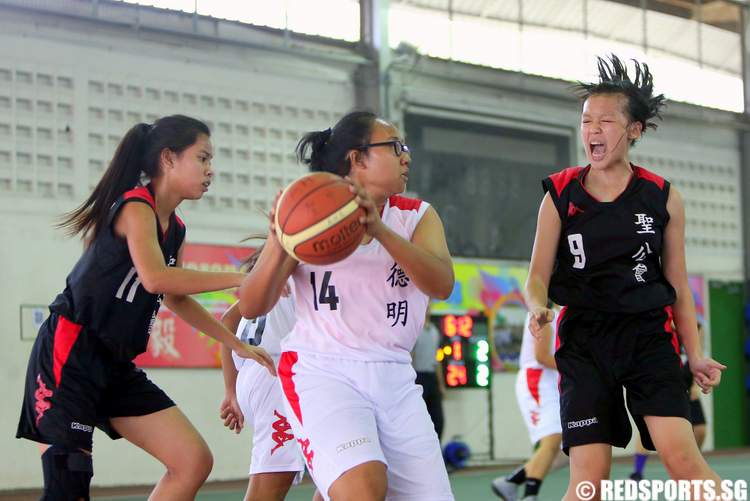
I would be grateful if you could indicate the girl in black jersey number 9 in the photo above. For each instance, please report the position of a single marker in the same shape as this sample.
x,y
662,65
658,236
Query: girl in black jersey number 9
x,y
80,373
609,246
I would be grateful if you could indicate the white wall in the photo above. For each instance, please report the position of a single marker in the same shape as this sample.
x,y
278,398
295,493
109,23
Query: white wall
x,y
98,79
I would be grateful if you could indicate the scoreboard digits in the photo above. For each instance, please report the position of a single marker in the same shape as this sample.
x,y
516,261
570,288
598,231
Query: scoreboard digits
x,y
464,351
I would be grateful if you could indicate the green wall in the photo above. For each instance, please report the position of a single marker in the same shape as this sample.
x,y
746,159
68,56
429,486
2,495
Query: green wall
x,y
731,421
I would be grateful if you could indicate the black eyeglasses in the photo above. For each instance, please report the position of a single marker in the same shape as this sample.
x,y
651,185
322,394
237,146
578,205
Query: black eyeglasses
x,y
399,148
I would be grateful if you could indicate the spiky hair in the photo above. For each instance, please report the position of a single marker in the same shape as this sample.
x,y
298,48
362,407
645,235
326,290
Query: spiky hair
x,y
643,106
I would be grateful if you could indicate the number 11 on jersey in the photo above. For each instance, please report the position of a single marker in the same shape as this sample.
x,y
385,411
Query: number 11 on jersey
x,y
327,292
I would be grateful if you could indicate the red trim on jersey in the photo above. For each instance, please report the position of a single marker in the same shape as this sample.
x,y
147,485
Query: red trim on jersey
x,y
557,343
143,193
670,330
557,327
649,176
633,177
591,195
532,382
66,334
404,203
286,363
563,178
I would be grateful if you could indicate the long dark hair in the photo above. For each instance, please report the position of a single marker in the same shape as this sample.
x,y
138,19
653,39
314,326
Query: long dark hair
x,y
328,148
137,154
643,105
249,263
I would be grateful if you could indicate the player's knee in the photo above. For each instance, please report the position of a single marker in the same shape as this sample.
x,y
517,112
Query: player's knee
x,y
194,465
201,463
682,463
67,474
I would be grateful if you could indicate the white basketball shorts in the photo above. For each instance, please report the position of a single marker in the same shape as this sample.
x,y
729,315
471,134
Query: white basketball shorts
x,y
347,412
539,400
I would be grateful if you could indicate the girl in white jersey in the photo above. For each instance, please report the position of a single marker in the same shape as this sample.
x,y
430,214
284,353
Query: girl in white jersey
x,y
256,395
345,367
539,401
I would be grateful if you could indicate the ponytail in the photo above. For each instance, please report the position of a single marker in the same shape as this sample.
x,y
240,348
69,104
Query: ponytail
x,y
329,149
123,173
137,155
249,263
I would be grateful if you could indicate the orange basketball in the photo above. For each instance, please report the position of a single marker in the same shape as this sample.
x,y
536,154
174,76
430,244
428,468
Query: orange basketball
x,y
317,219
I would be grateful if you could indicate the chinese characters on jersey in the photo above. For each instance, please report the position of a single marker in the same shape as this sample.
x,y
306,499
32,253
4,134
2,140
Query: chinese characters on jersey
x,y
397,278
645,224
397,311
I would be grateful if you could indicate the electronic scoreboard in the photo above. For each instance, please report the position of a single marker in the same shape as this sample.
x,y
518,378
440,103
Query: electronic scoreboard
x,y
464,350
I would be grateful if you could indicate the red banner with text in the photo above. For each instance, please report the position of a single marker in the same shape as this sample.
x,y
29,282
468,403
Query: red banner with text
x,y
173,342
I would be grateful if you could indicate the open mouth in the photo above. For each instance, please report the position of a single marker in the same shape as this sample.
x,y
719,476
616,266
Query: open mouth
x,y
598,150
206,185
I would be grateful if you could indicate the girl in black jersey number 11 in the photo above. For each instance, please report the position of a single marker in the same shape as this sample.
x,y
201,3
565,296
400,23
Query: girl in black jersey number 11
x,y
610,247
81,373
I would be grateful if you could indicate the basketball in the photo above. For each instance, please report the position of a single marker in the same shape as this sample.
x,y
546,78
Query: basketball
x,y
317,219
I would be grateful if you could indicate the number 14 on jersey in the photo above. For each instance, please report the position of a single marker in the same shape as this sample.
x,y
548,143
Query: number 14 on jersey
x,y
326,294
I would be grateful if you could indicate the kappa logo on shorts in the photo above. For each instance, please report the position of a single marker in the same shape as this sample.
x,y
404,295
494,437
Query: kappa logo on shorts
x,y
40,395
81,427
309,455
281,435
352,443
582,423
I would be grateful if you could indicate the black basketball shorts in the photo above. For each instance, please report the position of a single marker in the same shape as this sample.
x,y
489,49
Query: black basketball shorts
x,y
73,384
599,354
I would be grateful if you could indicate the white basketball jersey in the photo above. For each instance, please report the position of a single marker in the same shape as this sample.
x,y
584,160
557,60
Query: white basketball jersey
x,y
268,330
364,307
527,358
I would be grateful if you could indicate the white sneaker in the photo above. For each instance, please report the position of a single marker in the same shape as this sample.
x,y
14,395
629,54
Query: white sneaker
x,y
529,498
505,490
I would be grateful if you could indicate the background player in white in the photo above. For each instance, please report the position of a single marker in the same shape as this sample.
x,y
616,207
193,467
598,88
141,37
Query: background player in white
x,y
355,410
254,394
539,400
276,460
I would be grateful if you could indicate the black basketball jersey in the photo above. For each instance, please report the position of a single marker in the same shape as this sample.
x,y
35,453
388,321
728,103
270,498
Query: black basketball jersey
x,y
104,293
609,253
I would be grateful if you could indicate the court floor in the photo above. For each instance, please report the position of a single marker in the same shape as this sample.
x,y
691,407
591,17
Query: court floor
x,y
468,485
474,485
